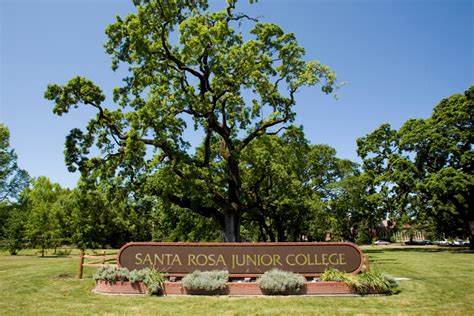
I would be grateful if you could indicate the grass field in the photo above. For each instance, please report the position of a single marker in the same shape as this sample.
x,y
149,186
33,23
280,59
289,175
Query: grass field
x,y
441,282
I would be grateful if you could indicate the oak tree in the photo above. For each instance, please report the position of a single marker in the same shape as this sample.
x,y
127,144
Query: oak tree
x,y
425,169
227,75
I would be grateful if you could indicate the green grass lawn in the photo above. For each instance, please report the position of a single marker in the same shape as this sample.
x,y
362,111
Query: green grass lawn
x,y
441,282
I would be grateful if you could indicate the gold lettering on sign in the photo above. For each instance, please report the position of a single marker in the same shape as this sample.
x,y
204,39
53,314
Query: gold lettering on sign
x,y
276,260
302,259
342,259
331,257
158,259
220,260
288,260
147,259
177,260
138,258
256,260
166,259
325,259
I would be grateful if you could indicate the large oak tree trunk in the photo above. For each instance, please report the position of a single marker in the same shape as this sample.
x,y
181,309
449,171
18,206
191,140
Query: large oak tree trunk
x,y
231,229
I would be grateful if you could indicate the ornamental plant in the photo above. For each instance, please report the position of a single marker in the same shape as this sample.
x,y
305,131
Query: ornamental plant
x,y
369,282
154,281
279,282
335,275
206,282
373,281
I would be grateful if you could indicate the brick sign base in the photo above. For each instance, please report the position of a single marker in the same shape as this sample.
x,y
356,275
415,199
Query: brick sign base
x,y
233,288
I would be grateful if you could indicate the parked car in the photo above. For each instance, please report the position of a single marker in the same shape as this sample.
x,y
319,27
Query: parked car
x,y
381,243
443,243
418,242
461,243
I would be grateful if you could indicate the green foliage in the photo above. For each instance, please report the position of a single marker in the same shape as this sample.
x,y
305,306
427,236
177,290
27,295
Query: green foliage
x,y
290,184
332,274
96,222
14,231
46,216
12,181
209,282
12,178
171,223
111,274
424,171
368,282
278,282
363,234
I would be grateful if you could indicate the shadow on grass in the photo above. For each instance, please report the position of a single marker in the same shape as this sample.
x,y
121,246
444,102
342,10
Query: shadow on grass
x,y
38,255
383,260
419,249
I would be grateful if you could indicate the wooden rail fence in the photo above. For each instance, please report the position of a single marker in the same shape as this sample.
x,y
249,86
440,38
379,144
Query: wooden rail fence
x,y
100,261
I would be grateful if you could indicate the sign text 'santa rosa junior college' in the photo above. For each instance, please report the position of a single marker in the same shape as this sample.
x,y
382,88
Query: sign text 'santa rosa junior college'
x,y
241,259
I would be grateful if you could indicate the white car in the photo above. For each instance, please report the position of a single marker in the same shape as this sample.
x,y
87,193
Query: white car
x,y
381,243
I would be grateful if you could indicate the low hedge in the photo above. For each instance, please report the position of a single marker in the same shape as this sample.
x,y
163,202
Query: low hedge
x,y
206,282
279,282
112,274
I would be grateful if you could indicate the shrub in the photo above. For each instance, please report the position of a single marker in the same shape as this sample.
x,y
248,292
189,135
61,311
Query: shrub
x,y
139,275
112,274
278,282
153,280
206,281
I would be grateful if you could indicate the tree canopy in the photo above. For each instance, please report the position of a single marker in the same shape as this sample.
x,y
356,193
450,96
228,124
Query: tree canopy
x,y
12,178
425,169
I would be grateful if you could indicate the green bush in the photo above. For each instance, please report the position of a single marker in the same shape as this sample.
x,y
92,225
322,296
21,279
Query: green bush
x,y
278,282
112,274
139,275
209,282
369,282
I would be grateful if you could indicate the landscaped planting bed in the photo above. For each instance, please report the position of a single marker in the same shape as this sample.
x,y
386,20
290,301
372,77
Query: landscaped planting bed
x,y
113,280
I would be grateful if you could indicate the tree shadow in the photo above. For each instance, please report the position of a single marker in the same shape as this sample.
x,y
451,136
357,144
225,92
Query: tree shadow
x,y
419,249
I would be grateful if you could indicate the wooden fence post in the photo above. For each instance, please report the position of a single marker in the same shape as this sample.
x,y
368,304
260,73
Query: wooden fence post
x,y
366,263
81,263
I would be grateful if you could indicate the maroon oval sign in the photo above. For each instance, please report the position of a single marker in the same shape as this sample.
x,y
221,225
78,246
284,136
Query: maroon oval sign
x,y
241,259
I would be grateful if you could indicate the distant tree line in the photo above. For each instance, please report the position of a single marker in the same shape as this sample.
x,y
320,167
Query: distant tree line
x,y
420,175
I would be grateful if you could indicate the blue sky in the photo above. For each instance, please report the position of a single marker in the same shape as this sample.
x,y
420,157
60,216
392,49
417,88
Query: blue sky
x,y
399,58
